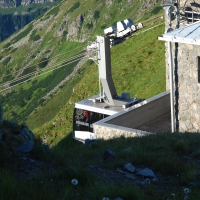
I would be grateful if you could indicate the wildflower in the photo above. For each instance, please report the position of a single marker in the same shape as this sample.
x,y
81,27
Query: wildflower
x,y
148,181
105,198
186,190
74,181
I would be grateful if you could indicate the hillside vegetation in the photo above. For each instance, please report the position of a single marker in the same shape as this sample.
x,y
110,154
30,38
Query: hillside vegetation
x,y
13,19
45,43
138,67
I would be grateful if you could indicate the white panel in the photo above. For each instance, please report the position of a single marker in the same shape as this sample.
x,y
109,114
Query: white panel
x,y
83,135
189,34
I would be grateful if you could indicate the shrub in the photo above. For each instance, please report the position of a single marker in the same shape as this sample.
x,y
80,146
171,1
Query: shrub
x,y
156,10
103,26
89,25
53,11
43,63
65,33
6,60
13,50
96,14
36,37
22,34
74,7
7,45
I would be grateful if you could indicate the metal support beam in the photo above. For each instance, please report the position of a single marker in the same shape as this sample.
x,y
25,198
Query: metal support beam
x,y
171,86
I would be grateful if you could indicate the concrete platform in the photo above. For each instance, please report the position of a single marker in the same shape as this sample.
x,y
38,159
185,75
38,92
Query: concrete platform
x,y
161,124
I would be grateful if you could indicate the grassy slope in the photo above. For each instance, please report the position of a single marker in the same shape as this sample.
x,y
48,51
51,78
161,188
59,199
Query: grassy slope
x,y
44,35
138,67
140,63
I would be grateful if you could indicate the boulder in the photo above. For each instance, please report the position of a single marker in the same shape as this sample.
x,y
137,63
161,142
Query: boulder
x,y
108,155
27,134
146,173
129,168
25,147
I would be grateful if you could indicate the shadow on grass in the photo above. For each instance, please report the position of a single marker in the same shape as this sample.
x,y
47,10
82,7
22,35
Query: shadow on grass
x,y
173,155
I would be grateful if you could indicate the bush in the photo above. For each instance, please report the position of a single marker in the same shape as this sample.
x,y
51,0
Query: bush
x,y
96,14
36,37
74,7
103,26
6,60
23,34
7,45
43,63
156,10
13,50
89,25
65,33
53,11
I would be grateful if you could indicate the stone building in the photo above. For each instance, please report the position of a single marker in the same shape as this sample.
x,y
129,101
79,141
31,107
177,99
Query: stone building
x,y
183,43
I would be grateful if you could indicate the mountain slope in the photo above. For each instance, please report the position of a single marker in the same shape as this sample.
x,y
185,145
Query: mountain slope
x,y
48,41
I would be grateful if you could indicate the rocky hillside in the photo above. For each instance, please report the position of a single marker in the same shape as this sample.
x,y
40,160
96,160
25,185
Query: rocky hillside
x,y
17,3
13,22
46,43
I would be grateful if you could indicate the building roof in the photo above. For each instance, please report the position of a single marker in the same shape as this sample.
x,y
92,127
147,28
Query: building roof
x,y
189,34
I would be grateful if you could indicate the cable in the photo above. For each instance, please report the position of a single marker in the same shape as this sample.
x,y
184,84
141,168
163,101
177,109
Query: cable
x,y
44,61
37,71
29,74
32,73
43,73
148,29
39,75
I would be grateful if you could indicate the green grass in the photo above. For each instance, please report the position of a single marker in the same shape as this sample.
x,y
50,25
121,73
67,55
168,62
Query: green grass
x,y
138,67
30,53
72,160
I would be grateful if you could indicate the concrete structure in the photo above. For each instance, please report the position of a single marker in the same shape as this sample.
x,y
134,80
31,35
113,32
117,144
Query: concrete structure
x,y
147,117
154,115
186,67
182,80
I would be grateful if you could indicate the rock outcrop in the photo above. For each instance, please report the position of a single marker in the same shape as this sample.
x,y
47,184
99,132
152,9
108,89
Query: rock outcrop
x,y
15,4
14,137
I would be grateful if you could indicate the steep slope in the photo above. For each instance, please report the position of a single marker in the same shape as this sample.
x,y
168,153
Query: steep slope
x,y
47,41
17,3
13,19
138,67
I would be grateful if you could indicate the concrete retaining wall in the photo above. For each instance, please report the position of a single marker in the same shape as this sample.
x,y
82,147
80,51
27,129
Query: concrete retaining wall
x,y
144,114
126,122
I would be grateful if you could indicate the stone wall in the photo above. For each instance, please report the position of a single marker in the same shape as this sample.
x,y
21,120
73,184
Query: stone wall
x,y
187,88
108,132
185,71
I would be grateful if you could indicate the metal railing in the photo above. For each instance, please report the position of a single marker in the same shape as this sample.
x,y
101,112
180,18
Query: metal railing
x,y
192,15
